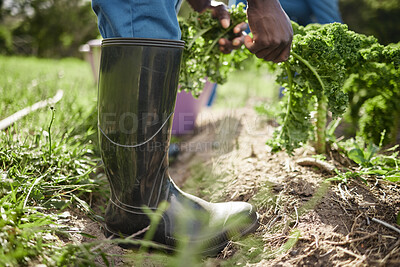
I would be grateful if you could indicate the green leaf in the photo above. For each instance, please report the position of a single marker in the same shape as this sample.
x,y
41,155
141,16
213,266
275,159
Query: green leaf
x,y
357,155
371,151
202,58
393,178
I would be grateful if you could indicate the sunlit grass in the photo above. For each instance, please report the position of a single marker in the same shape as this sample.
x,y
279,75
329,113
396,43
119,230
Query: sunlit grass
x,y
25,81
46,158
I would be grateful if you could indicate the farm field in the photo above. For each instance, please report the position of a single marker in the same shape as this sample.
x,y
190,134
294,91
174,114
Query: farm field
x,y
54,191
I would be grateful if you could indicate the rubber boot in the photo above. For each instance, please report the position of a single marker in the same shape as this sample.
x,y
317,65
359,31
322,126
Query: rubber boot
x,y
137,91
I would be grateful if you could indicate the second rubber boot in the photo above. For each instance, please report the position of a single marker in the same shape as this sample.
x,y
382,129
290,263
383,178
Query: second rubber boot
x,y
137,91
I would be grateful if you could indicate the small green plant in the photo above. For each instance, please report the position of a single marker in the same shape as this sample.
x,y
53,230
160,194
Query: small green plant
x,y
291,242
373,161
398,218
361,156
250,250
345,177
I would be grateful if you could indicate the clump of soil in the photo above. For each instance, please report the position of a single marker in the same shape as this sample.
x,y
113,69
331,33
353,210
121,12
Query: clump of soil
x,y
338,224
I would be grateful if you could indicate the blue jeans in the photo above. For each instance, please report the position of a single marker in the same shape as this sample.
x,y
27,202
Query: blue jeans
x,y
138,18
309,11
312,11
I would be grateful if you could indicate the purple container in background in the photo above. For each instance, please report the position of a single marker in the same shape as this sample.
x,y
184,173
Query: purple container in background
x,y
187,108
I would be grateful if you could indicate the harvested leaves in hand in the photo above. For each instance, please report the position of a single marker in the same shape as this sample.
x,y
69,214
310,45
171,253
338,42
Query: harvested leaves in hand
x,y
202,58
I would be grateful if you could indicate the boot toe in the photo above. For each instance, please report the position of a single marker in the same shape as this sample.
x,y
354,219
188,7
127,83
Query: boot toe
x,y
240,218
233,220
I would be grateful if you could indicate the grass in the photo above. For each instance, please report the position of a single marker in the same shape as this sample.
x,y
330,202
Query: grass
x,y
46,158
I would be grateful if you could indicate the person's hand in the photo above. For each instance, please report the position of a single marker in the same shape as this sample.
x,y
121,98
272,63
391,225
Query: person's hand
x,y
271,28
227,45
220,11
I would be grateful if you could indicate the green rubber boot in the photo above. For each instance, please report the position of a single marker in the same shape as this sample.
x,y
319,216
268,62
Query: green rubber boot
x,y
137,90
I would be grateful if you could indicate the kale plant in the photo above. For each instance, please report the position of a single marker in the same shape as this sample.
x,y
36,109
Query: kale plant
x,y
323,58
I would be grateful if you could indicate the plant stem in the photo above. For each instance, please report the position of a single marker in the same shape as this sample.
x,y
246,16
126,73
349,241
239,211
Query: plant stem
x,y
305,62
322,108
200,33
320,146
290,90
216,40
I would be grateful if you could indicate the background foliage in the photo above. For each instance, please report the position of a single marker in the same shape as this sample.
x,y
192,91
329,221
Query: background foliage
x,y
46,28
373,17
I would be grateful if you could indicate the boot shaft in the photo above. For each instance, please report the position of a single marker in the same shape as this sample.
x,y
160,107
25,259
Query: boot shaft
x,y
137,91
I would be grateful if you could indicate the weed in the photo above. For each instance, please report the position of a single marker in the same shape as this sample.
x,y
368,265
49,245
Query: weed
x,y
51,123
373,161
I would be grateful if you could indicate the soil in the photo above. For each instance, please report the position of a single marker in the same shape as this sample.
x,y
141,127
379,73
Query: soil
x,y
332,223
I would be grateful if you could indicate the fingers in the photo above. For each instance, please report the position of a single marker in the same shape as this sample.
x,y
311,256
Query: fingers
x,y
226,46
272,52
241,27
223,45
272,30
238,41
220,12
248,42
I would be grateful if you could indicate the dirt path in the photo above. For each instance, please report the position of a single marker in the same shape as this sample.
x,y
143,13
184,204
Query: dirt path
x,y
336,224
304,219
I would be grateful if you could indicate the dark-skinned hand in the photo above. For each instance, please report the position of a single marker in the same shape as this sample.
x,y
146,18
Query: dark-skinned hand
x,y
271,28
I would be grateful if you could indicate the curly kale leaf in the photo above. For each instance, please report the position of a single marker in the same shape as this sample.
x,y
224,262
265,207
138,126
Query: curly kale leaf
x,y
295,122
375,101
379,114
202,58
